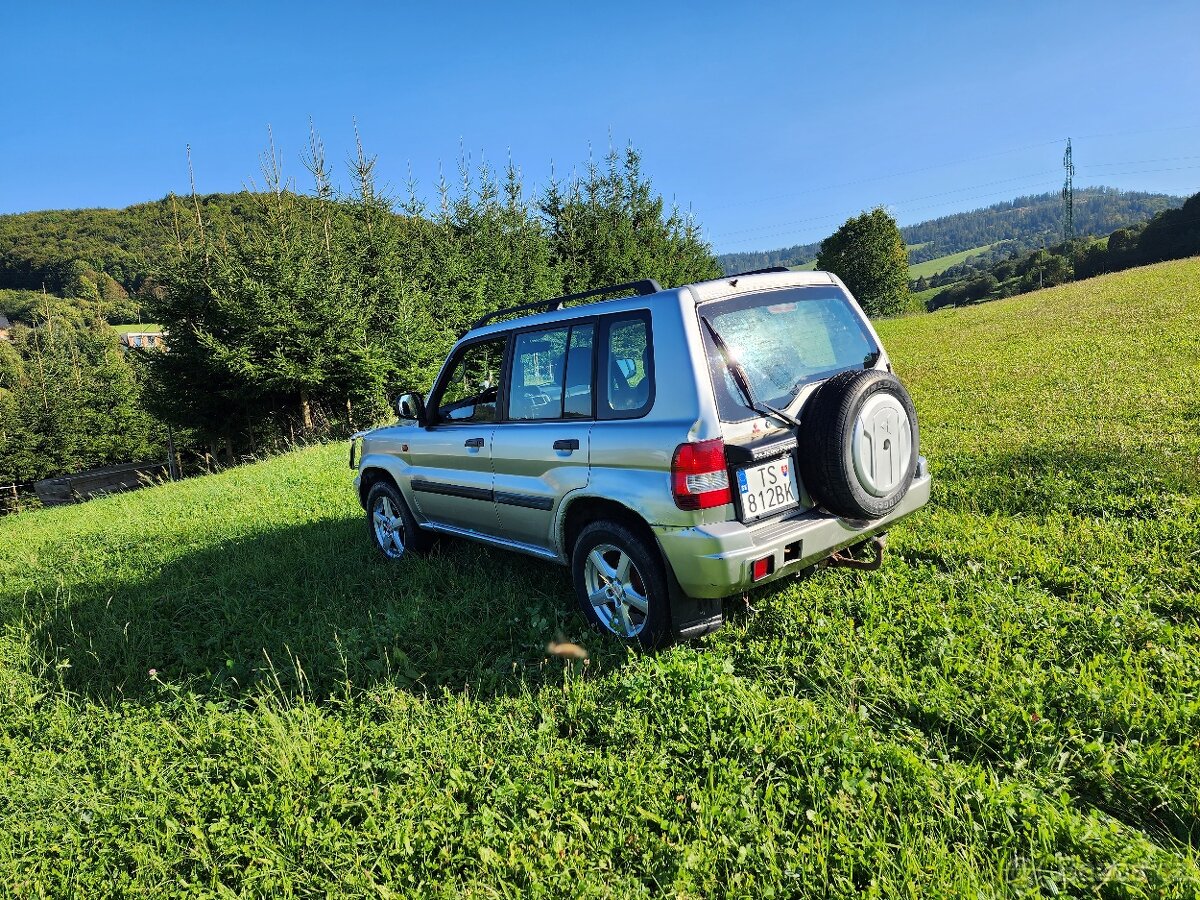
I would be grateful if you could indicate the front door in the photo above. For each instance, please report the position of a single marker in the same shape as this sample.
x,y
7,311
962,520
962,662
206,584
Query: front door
x,y
540,452
452,457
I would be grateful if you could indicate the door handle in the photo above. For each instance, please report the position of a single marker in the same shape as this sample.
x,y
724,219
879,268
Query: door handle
x,y
566,444
473,442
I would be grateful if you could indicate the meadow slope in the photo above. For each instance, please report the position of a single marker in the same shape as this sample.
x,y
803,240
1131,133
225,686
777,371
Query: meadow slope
x,y
214,688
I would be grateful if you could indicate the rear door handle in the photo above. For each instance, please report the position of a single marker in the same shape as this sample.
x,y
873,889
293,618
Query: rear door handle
x,y
566,444
473,442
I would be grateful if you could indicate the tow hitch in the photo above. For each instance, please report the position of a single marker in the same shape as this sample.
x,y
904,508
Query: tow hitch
x,y
847,559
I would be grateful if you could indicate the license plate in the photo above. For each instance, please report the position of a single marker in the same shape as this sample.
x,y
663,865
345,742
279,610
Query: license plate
x,y
768,488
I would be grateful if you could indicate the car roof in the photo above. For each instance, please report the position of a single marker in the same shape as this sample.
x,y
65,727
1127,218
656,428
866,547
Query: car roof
x,y
696,292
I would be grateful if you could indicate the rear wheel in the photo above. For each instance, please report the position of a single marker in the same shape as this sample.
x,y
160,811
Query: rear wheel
x,y
391,523
621,585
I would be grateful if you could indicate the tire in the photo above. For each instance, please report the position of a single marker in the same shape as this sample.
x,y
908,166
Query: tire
x,y
391,525
859,444
609,553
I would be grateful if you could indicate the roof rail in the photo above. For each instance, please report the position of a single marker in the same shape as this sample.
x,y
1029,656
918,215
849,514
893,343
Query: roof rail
x,y
759,271
641,288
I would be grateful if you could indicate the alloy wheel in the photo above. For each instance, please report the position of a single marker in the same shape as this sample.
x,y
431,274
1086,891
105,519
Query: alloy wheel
x,y
616,590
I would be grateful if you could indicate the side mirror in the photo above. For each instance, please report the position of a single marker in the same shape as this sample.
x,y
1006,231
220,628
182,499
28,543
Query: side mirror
x,y
627,366
411,407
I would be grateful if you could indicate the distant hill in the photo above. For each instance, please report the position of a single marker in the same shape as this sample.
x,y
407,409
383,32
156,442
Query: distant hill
x,y
114,249
1018,224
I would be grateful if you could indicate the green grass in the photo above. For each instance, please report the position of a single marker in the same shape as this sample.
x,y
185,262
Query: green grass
x,y
941,263
923,297
809,266
1009,707
135,329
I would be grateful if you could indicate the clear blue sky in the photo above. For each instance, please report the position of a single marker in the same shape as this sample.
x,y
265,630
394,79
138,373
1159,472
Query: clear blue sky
x,y
772,121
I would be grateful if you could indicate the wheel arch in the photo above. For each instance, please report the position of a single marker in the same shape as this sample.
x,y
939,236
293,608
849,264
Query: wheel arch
x,y
581,511
369,476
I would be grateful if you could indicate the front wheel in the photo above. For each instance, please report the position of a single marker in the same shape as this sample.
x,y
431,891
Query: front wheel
x,y
393,529
621,585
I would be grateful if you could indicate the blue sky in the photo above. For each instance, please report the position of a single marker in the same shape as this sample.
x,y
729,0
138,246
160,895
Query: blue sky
x,y
773,122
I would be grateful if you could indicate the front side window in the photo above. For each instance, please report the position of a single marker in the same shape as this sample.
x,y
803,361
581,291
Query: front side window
x,y
552,374
471,391
627,369
784,340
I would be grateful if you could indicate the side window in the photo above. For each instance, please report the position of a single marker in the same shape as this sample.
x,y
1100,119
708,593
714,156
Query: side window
x,y
627,367
577,401
471,391
552,374
539,358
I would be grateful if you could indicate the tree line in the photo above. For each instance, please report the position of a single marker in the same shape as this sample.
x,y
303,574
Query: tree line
x,y
1171,234
1022,223
299,315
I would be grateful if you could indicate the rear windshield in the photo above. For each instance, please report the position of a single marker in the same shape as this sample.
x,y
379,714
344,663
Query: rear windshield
x,y
784,340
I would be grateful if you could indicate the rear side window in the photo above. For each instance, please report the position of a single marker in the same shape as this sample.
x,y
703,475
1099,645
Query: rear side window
x,y
626,367
552,374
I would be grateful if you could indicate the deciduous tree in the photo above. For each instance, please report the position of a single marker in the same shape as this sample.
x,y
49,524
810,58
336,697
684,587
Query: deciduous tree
x,y
868,254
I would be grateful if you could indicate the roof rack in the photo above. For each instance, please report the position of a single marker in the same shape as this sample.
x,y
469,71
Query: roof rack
x,y
759,271
641,288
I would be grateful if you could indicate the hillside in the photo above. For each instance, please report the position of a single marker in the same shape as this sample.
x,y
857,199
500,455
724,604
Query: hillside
x,y
214,687
941,263
54,248
1017,224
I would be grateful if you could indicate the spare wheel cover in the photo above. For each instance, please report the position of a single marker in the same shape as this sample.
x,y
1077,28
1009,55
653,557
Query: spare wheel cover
x,y
881,447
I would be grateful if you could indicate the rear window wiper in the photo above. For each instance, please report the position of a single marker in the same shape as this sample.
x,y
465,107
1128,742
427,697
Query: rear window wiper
x,y
742,380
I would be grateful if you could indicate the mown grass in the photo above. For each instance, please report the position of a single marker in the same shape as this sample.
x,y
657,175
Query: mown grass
x,y
942,263
214,688
923,297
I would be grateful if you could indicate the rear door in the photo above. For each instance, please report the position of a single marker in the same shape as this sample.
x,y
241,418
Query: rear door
x,y
540,451
452,458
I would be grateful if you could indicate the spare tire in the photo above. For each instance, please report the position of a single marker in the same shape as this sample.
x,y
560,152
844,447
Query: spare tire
x,y
859,444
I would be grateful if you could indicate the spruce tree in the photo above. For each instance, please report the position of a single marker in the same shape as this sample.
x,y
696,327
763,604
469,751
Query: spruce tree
x,y
610,227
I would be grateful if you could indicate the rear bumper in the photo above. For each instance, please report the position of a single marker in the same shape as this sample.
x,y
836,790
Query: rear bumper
x,y
714,560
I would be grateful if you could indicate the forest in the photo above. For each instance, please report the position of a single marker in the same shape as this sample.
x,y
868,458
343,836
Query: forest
x,y
292,316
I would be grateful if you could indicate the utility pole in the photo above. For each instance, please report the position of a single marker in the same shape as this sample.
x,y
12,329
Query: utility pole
x,y
1068,195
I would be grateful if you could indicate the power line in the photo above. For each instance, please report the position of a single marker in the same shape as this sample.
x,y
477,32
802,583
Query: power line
x,y
873,178
1137,162
812,190
1024,179
784,228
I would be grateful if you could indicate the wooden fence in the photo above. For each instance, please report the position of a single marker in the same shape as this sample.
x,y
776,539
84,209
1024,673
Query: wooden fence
x,y
81,486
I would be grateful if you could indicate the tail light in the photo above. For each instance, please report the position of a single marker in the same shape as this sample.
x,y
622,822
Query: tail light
x,y
699,478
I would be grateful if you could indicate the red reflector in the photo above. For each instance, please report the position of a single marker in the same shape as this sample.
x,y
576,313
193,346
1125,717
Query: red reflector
x,y
760,568
699,479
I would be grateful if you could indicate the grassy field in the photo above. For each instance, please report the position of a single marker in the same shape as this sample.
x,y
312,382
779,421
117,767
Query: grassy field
x,y
942,263
923,297
214,688
135,329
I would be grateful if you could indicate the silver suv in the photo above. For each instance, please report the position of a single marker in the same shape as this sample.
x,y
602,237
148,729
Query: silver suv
x,y
673,447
